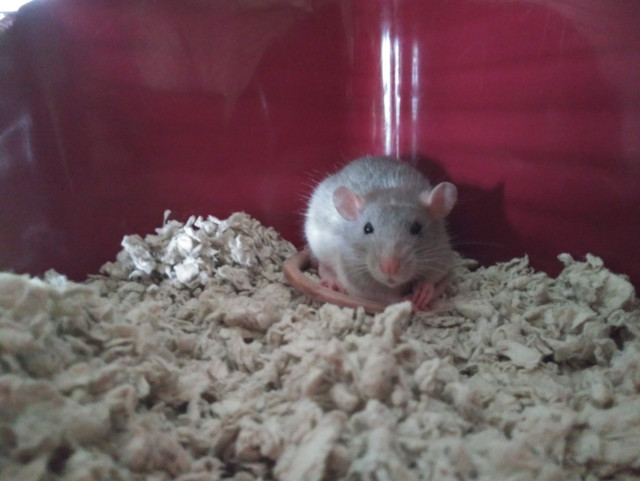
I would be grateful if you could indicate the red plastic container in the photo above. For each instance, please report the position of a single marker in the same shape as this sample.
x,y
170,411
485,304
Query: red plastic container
x,y
113,111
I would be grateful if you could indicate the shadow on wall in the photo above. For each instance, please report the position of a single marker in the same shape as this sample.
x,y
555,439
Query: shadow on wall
x,y
478,224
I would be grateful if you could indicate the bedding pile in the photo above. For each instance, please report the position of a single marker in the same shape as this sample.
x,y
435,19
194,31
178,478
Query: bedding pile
x,y
189,357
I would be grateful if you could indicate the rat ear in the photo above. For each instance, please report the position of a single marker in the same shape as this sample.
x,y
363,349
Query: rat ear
x,y
347,203
440,200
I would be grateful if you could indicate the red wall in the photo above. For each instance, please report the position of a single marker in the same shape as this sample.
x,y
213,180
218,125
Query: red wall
x,y
116,110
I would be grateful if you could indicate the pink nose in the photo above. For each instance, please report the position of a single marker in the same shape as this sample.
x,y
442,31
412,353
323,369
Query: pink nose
x,y
390,265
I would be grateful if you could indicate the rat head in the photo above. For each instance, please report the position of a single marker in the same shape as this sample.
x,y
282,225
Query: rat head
x,y
397,236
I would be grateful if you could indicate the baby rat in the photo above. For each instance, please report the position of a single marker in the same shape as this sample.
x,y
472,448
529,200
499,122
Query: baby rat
x,y
376,228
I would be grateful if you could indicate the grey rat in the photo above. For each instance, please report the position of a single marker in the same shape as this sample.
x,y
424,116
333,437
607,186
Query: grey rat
x,y
376,228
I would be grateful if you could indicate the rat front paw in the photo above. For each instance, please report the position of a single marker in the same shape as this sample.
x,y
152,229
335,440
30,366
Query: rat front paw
x,y
329,278
423,294
333,285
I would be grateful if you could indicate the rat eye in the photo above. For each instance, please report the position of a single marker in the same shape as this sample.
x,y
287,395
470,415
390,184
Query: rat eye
x,y
368,228
416,228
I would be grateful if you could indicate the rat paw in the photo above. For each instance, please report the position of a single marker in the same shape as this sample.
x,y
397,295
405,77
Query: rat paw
x,y
333,285
422,296
329,278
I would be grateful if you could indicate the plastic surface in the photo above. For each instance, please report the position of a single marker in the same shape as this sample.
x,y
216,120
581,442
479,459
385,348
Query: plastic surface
x,y
114,111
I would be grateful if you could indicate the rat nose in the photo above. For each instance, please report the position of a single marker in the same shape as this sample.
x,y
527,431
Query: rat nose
x,y
390,265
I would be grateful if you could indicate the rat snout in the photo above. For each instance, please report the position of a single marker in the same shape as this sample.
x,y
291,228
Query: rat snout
x,y
390,265
391,271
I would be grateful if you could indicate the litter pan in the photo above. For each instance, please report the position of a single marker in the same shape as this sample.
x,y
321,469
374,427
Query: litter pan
x,y
125,121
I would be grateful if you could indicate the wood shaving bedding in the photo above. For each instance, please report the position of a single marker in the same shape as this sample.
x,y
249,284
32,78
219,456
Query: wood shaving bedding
x,y
190,358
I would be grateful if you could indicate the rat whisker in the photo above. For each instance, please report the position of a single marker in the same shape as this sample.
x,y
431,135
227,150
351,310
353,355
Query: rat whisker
x,y
497,245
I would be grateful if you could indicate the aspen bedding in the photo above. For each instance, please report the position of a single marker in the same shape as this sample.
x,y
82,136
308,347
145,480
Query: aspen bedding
x,y
190,358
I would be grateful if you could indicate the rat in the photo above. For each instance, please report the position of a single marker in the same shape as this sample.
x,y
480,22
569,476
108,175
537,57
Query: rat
x,y
377,230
